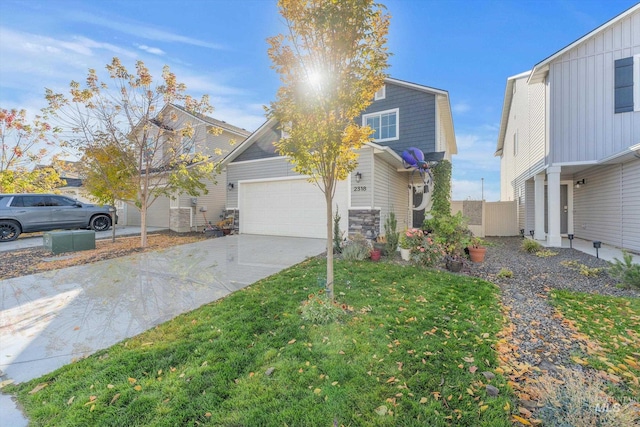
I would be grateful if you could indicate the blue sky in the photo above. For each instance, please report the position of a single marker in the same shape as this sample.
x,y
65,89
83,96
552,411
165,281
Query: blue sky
x,y
467,47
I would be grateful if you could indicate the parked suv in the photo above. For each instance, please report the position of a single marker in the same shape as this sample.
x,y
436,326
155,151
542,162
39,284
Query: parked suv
x,y
23,213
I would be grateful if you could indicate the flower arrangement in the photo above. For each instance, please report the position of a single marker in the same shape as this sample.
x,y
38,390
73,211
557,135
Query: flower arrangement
x,y
428,253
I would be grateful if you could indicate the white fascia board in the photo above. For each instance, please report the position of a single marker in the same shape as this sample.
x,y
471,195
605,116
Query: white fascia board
x,y
540,69
247,142
416,86
388,151
506,109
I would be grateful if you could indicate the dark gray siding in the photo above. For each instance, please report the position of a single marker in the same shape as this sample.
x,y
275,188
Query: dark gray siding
x,y
416,117
263,147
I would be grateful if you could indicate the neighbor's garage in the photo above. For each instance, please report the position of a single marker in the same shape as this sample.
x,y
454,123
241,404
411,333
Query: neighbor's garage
x,y
291,207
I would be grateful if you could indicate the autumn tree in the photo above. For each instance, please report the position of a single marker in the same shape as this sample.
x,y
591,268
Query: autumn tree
x,y
23,143
331,63
155,151
107,171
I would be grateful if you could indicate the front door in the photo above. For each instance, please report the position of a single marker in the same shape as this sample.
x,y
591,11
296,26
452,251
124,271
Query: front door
x,y
418,216
564,209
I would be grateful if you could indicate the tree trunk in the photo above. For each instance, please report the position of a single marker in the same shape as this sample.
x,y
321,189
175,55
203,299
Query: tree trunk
x,y
143,225
328,195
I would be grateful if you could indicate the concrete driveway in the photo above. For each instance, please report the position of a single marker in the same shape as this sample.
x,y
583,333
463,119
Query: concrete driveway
x,y
49,319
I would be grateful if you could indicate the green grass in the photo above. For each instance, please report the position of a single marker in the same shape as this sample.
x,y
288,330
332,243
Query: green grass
x,y
614,323
411,353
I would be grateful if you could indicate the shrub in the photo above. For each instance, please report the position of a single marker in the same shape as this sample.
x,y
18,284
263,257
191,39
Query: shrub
x,y
357,248
626,271
451,232
337,233
391,233
531,246
580,402
589,271
545,253
319,309
504,273
427,252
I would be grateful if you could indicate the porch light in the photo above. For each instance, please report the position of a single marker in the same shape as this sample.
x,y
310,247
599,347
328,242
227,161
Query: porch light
x,y
597,244
230,186
531,232
522,233
358,176
570,237
579,183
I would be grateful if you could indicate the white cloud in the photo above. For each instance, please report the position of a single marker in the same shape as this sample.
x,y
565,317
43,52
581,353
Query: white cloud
x,y
139,29
152,50
461,107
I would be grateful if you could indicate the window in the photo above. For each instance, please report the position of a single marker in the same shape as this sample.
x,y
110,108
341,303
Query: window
x,y
381,93
384,124
188,145
61,201
624,85
28,201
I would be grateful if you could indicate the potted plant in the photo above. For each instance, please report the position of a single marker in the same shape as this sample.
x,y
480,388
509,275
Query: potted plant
x,y
477,250
452,233
375,254
405,247
380,244
226,225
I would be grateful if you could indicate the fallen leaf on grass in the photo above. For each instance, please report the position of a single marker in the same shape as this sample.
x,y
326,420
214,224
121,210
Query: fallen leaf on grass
x,y
292,341
521,420
423,400
38,388
473,369
381,410
114,398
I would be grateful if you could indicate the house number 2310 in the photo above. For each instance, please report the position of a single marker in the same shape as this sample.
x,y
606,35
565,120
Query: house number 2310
x,y
360,188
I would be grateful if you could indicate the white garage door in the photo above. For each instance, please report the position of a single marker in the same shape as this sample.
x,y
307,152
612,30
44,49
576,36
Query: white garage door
x,y
292,207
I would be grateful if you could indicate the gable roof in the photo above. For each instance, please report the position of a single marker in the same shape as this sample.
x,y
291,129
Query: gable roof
x,y
540,69
506,109
443,106
210,120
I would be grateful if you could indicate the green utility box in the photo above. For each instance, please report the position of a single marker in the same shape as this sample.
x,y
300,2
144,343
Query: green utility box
x,y
69,241
84,240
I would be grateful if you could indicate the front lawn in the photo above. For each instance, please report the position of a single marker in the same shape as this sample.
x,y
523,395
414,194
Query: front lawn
x,y
614,325
410,351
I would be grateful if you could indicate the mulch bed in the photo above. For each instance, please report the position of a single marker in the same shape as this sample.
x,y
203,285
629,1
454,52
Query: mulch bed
x,y
23,262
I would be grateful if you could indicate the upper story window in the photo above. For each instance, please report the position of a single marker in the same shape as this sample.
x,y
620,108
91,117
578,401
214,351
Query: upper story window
x,y
384,124
381,93
188,145
627,84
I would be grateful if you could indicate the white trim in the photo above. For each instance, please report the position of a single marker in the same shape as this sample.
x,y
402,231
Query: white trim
x,y
541,68
279,178
381,93
242,162
636,82
417,86
380,113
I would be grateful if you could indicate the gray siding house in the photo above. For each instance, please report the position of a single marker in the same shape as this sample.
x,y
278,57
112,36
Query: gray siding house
x,y
569,139
184,213
267,197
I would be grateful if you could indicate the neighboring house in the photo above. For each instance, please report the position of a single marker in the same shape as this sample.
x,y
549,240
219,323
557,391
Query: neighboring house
x,y
185,213
569,139
267,197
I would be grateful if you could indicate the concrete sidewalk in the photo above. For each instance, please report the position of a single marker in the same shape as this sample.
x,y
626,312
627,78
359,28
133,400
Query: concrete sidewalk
x,y
606,252
49,319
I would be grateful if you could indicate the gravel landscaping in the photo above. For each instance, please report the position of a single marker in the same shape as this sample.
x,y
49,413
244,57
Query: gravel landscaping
x,y
542,339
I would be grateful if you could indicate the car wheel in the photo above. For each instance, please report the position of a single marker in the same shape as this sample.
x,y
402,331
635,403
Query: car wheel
x,y
100,223
9,231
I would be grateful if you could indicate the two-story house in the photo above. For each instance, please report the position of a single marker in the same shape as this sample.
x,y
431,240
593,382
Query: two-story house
x,y
569,139
268,197
182,212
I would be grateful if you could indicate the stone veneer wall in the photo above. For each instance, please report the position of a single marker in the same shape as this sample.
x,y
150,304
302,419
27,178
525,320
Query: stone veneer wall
x,y
236,215
365,222
180,220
